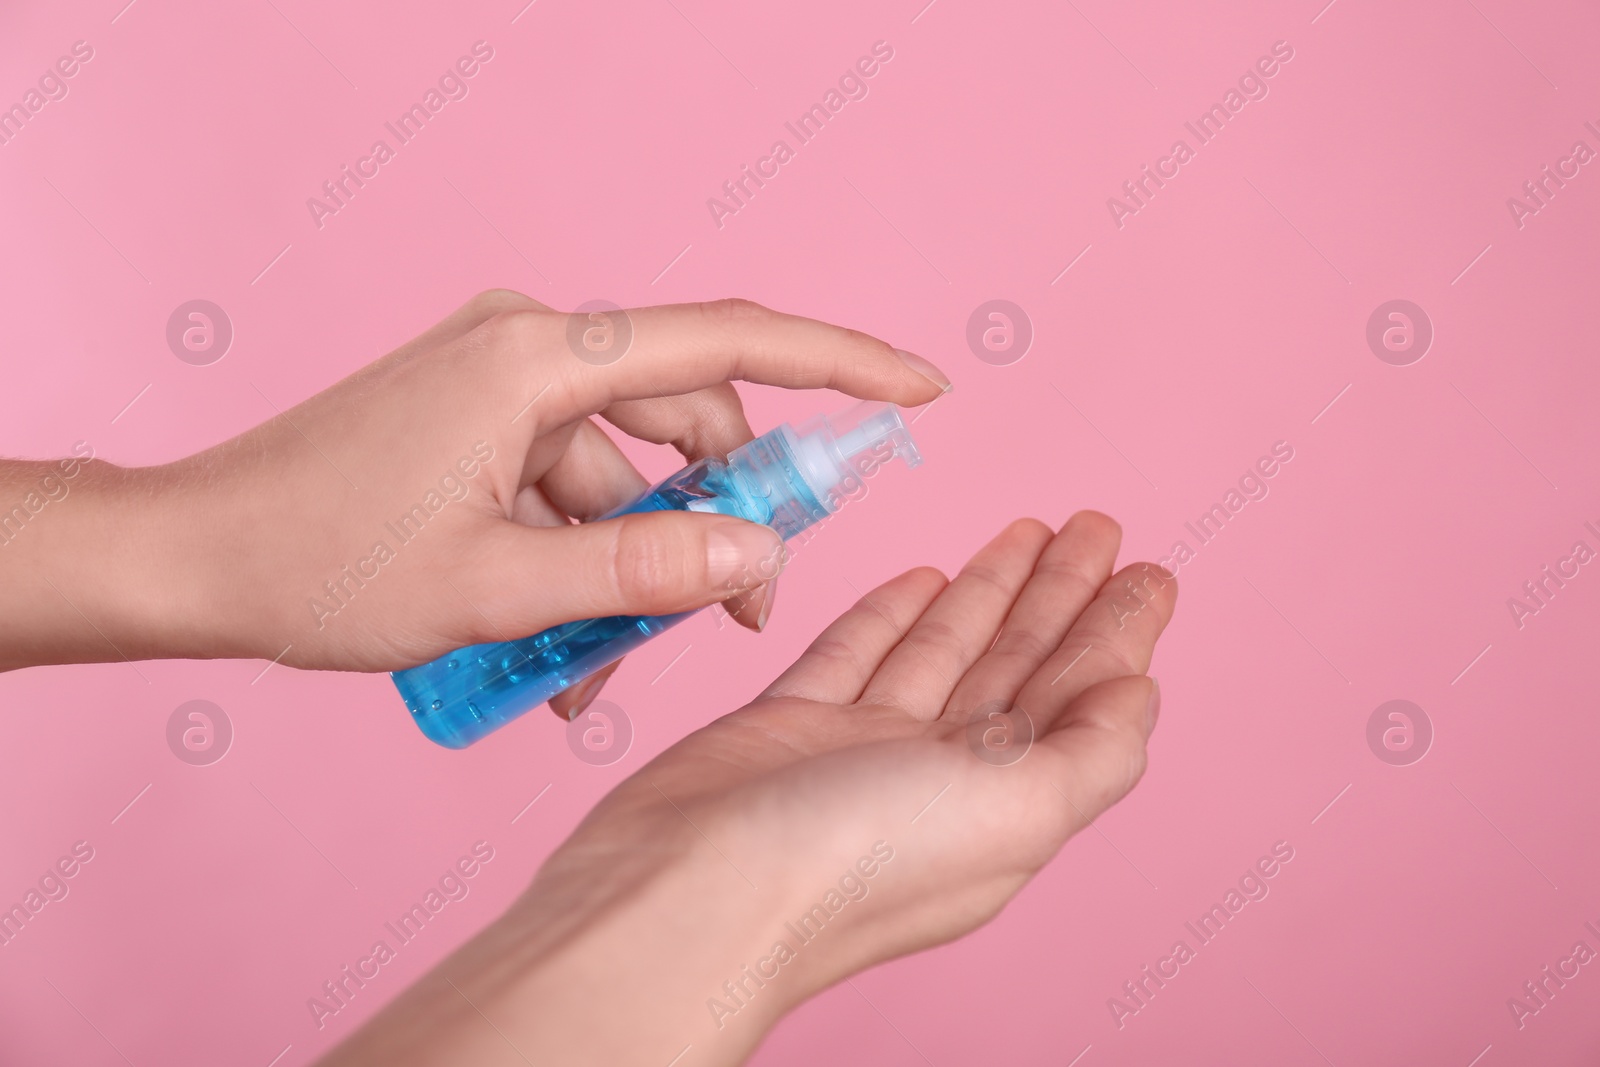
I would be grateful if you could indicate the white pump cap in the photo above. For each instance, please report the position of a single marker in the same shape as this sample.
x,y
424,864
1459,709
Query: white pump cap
x,y
831,451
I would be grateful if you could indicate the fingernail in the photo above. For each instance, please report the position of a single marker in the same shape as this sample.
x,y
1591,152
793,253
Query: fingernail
x,y
1152,710
736,548
926,369
588,689
766,605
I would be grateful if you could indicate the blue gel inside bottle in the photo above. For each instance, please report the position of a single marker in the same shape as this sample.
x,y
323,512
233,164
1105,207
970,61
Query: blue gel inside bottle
x,y
789,479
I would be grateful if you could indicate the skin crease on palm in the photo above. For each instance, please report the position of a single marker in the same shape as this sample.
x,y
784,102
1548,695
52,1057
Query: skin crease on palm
x,y
687,871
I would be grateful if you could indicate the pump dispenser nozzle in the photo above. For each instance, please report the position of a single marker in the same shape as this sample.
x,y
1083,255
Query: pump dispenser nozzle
x,y
857,441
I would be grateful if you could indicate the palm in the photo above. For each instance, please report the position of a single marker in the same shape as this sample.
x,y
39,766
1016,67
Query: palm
x,y
867,736
699,866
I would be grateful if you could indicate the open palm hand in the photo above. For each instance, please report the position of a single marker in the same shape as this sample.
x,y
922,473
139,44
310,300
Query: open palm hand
x,y
897,785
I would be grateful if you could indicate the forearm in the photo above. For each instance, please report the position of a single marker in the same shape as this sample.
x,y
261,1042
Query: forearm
x,y
556,980
102,563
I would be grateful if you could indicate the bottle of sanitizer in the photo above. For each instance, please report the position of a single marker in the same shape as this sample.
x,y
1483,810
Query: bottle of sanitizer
x,y
789,479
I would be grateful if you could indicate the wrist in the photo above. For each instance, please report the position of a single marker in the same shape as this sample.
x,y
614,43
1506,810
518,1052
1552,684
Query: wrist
x,y
606,967
610,958
709,949
632,977
103,563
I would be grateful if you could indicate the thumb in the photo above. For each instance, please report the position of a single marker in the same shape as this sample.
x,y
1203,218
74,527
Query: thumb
x,y
653,563
1100,742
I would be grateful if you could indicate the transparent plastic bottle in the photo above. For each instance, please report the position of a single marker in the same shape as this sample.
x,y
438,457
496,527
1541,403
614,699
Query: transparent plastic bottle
x,y
789,479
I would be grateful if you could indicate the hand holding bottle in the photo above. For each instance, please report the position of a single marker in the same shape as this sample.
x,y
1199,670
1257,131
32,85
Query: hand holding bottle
x,y
423,503
788,479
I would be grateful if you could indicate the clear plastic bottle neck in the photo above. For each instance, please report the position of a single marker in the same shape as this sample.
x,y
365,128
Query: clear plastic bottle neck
x,y
808,472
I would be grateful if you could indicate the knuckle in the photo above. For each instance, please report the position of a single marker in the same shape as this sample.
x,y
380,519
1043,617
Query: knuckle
x,y
716,418
732,310
1137,757
493,301
650,566
1121,663
836,651
697,434
985,574
1023,645
866,342
935,633
1138,754
1066,572
1125,759
518,339
1125,663
512,326
734,317
873,352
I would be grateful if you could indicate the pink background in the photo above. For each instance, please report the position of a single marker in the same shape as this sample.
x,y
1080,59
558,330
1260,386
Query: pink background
x,y
1223,317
